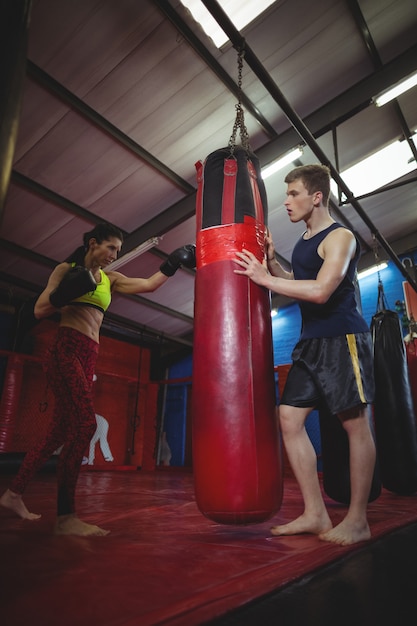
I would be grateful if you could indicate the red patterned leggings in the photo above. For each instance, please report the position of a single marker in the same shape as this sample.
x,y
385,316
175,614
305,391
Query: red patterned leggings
x,y
70,369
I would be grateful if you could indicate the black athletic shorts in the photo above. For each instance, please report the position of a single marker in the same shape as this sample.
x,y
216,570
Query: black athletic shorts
x,y
333,372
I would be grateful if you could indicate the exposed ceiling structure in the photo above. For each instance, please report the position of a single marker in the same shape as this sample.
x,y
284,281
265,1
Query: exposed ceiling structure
x,y
122,97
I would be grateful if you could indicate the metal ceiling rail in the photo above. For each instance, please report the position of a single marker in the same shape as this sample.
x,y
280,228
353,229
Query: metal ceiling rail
x,y
240,44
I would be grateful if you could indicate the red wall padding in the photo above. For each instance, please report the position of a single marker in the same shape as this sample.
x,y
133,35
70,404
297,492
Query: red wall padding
x,y
123,395
411,354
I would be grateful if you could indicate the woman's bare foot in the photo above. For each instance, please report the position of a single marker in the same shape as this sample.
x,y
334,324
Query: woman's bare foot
x,y
71,525
304,524
347,533
14,502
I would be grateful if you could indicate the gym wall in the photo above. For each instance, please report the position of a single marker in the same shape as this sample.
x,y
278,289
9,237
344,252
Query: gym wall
x,y
125,401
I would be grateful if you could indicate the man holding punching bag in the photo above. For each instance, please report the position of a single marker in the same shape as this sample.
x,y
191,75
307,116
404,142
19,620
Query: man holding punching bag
x,y
333,359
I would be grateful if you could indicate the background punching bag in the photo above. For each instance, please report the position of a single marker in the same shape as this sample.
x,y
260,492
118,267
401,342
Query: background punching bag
x,y
236,455
411,356
335,450
395,424
335,460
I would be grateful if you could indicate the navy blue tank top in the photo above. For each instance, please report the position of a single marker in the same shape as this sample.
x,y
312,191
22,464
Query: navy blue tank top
x,y
340,314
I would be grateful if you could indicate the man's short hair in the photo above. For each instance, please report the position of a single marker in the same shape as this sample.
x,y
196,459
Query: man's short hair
x,y
315,177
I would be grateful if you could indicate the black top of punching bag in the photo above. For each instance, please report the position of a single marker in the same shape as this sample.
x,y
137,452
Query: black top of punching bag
x,y
214,182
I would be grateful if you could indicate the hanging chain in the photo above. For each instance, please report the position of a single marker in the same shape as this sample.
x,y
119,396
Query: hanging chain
x,y
376,257
382,301
240,117
375,250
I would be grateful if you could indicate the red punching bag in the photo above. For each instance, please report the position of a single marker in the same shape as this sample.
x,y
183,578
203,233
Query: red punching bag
x,y
236,454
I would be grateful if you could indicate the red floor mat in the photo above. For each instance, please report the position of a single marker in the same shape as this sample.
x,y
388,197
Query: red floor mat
x,y
163,563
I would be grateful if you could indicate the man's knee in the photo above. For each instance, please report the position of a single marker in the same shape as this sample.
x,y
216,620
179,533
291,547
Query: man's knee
x,y
292,419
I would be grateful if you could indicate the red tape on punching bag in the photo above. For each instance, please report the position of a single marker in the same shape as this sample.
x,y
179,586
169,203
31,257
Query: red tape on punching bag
x,y
236,455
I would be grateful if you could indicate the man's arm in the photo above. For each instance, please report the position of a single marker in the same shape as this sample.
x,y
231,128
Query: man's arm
x,y
274,267
337,250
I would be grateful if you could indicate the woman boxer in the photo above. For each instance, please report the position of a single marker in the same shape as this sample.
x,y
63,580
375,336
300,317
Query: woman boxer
x,y
81,290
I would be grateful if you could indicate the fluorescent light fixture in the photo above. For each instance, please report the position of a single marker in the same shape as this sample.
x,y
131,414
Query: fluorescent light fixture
x,y
241,14
372,270
396,91
274,312
282,162
144,247
379,169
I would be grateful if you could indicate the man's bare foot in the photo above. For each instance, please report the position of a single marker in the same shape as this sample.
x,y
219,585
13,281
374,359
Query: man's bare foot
x,y
71,525
14,502
347,533
304,524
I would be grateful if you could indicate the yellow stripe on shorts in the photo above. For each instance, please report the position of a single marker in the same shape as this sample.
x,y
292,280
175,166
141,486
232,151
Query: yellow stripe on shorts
x,y
351,340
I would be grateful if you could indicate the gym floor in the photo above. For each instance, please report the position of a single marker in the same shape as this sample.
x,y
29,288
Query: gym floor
x,y
165,563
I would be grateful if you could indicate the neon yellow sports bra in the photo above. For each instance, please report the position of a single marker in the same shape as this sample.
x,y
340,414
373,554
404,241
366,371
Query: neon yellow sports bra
x,y
100,298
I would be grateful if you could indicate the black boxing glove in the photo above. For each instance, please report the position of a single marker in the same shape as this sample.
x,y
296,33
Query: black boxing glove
x,y
76,282
181,256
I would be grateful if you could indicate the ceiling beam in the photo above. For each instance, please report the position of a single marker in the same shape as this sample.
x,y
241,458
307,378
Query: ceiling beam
x,y
51,196
69,98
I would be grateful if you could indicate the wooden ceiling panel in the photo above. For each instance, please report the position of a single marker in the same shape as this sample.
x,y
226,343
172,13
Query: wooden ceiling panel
x,y
79,42
392,25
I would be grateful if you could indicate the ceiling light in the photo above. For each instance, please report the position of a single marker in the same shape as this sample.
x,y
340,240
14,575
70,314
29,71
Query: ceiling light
x,y
372,270
379,169
144,247
282,162
396,91
241,13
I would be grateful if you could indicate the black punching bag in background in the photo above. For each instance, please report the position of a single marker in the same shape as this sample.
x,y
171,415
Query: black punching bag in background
x,y
335,460
395,424
14,20
335,451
